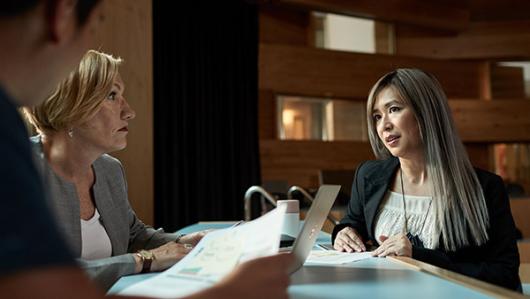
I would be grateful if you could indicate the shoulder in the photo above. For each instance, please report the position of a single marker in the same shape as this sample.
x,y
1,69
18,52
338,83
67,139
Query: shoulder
x,y
109,162
377,169
109,167
489,180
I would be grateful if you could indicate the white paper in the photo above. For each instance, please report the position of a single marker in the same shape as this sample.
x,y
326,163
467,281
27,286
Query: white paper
x,y
216,255
329,257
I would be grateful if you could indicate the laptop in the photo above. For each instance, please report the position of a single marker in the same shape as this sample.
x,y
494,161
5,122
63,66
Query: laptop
x,y
313,224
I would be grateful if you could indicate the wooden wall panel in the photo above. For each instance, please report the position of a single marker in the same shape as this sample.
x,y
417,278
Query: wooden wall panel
x,y
326,73
520,210
449,15
299,162
507,82
482,40
283,26
492,121
267,118
126,31
480,155
495,10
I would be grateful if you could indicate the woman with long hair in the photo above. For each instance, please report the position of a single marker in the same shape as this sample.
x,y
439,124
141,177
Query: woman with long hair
x,y
422,198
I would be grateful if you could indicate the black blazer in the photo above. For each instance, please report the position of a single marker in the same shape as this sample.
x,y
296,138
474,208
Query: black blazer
x,y
496,262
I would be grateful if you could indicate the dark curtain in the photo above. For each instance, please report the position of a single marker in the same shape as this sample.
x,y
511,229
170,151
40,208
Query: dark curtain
x,y
205,109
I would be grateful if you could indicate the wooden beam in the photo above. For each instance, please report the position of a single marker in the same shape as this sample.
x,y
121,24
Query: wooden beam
x,y
492,121
299,162
450,16
495,10
482,40
326,73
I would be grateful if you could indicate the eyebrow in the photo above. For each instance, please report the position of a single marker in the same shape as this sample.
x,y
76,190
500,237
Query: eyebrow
x,y
388,104
119,86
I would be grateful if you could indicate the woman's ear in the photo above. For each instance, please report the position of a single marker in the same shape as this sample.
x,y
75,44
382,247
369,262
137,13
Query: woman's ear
x,y
61,19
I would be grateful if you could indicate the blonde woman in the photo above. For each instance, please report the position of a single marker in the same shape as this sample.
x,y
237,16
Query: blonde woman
x,y
83,120
422,198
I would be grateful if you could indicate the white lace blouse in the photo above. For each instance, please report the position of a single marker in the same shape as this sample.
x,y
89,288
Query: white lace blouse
x,y
390,218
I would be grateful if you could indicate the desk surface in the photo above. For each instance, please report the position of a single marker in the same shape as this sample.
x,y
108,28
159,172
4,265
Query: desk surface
x,y
370,278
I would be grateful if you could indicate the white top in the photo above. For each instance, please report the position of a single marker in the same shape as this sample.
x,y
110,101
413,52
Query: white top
x,y
95,240
390,219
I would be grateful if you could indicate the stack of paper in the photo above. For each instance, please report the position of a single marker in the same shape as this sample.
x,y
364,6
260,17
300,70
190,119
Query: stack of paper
x,y
330,257
217,254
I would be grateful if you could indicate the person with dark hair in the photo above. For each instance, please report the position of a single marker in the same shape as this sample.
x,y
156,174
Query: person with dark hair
x,y
42,41
422,198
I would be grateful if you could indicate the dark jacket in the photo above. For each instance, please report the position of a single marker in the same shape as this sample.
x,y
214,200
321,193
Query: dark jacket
x,y
496,262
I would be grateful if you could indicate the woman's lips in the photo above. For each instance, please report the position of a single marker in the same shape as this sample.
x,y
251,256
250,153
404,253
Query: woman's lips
x,y
392,141
124,129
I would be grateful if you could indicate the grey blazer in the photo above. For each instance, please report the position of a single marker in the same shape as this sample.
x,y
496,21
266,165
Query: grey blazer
x,y
127,233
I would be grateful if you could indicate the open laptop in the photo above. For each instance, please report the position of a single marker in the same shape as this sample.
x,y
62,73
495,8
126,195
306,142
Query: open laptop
x,y
313,224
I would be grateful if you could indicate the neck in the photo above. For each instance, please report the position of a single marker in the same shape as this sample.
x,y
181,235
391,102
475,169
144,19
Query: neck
x,y
414,171
68,157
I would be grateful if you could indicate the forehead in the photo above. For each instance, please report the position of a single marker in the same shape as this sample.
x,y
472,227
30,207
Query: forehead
x,y
385,97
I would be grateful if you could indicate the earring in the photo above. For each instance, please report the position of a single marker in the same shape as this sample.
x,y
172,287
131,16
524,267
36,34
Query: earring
x,y
71,132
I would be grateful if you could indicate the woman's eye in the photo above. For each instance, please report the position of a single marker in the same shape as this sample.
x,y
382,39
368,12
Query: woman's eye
x,y
394,109
376,117
112,96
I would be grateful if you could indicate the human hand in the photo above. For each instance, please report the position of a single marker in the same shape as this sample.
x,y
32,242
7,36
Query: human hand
x,y
261,278
398,245
194,238
348,240
168,254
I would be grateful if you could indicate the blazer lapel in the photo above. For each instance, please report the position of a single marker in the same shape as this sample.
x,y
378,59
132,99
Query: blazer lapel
x,y
105,206
376,185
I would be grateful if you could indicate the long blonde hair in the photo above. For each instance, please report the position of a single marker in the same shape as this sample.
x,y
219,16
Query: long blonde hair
x,y
459,206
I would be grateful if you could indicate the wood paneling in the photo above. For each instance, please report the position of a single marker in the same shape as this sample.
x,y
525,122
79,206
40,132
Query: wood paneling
x,y
492,121
126,31
482,40
480,155
326,73
507,82
299,162
434,14
267,115
283,26
384,38
520,211
495,10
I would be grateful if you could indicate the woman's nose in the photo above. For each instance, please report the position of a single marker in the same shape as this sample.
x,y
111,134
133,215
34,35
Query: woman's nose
x,y
127,112
387,124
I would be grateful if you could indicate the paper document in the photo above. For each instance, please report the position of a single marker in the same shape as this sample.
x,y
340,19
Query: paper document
x,y
217,254
330,257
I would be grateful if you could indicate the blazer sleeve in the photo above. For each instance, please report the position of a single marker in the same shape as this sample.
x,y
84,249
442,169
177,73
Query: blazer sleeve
x,y
105,272
497,261
354,217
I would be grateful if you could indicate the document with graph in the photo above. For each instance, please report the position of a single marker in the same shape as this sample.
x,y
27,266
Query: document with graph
x,y
216,255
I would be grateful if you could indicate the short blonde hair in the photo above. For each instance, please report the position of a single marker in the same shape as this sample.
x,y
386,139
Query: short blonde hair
x,y
77,98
